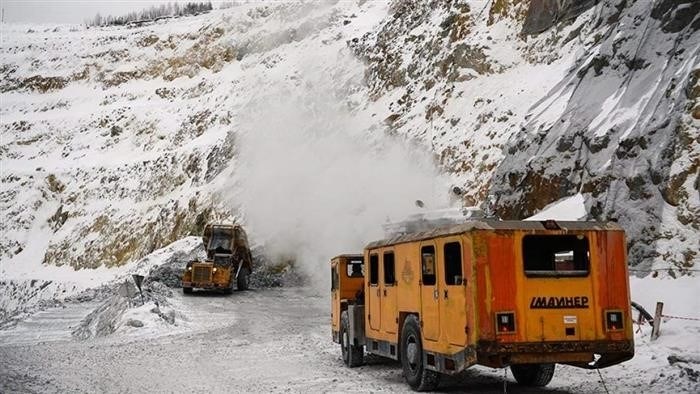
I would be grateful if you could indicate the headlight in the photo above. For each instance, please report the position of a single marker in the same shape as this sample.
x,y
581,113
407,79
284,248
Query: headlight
x,y
189,268
214,270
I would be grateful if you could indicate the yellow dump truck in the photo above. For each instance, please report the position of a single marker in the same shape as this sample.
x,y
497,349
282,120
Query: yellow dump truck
x,y
228,263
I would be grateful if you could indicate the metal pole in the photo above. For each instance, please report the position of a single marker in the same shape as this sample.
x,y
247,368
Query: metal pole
x,y
657,320
640,321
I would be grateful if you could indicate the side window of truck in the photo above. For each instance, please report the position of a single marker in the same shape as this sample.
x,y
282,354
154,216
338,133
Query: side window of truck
x,y
334,278
453,263
427,254
389,269
373,269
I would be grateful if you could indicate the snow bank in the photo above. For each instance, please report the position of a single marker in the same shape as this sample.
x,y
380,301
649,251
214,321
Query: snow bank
x,y
568,208
673,358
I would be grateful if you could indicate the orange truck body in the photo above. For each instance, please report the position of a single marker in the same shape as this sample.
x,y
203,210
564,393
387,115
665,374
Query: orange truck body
x,y
495,293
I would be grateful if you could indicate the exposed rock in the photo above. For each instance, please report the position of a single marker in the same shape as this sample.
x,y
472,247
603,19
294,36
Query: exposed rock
x,y
676,15
134,323
55,185
543,14
170,273
102,321
148,40
40,84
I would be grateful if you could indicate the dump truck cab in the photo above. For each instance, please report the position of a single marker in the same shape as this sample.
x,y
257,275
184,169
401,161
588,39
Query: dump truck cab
x,y
228,261
520,294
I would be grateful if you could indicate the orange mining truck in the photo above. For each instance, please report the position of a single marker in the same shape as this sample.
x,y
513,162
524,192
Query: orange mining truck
x,y
522,294
228,262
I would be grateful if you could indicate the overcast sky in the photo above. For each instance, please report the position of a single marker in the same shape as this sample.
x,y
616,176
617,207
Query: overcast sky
x,y
73,11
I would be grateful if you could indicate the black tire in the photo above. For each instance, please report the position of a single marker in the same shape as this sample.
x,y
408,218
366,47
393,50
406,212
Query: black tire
x,y
533,375
242,280
417,376
353,356
187,290
229,290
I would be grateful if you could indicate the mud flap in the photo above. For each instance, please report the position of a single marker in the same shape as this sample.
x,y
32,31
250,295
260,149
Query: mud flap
x,y
356,331
606,360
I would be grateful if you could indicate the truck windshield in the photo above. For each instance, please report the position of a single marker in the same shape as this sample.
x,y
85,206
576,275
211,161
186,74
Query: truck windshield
x,y
556,255
220,242
355,269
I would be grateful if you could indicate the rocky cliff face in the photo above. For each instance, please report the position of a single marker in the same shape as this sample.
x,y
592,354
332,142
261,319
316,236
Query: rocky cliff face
x,y
117,141
622,132
535,101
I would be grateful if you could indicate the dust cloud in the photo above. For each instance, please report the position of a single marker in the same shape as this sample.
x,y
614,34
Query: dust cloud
x,y
312,183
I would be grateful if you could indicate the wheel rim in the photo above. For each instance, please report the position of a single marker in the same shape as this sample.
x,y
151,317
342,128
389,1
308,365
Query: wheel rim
x,y
412,353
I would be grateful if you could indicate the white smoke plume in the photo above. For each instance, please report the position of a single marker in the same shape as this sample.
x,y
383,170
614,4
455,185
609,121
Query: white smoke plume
x,y
311,183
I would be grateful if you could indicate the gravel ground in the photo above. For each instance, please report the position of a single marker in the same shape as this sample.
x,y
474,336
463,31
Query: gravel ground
x,y
272,340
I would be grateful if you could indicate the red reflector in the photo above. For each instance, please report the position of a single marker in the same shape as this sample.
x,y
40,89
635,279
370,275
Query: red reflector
x,y
505,322
614,320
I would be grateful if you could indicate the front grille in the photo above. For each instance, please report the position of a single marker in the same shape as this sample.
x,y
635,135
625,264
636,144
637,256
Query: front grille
x,y
201,274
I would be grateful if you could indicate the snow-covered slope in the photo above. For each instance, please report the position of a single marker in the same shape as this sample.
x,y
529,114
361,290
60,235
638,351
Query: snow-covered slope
x,y
117,141
299,118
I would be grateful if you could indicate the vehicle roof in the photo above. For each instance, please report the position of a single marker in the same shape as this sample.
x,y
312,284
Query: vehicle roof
x,y
348,255
495,225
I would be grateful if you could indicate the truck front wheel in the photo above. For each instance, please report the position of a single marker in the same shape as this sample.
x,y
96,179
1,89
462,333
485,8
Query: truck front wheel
x,y
242,280
534,375
419,378
353,356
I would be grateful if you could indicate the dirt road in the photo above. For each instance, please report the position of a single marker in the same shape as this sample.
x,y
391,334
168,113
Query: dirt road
x,y
273,340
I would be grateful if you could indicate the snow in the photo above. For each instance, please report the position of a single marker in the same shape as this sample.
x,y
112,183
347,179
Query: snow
x,y
568,208
274,340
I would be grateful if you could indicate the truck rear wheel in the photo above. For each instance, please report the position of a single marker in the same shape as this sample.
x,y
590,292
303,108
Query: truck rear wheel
x,y
534,375
353,356
242,280
187,290
417,376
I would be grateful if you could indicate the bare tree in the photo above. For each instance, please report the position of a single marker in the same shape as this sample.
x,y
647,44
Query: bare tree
x,y
152,13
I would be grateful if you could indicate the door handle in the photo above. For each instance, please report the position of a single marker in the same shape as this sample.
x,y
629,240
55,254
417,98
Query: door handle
x,y
435,294
384,292
445,294
378,293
